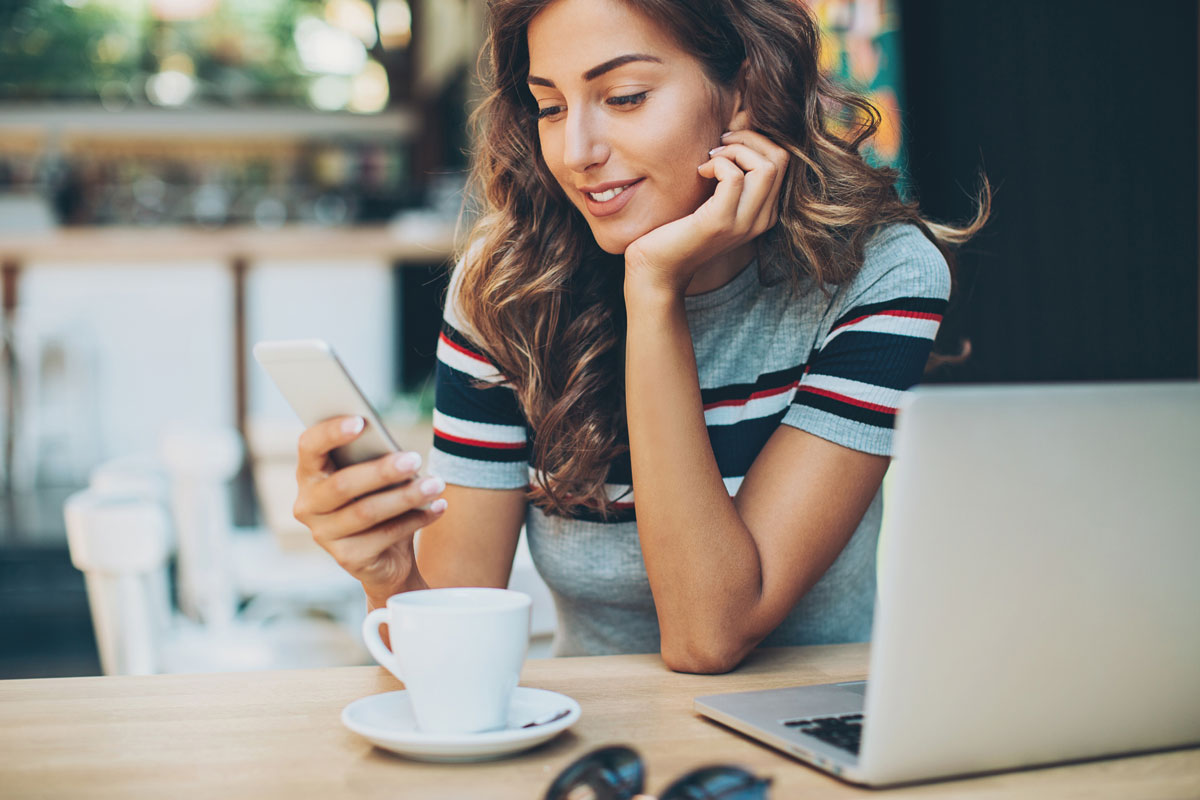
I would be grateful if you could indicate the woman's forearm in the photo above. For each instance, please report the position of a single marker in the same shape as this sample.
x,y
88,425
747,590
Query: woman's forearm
x,y
701,560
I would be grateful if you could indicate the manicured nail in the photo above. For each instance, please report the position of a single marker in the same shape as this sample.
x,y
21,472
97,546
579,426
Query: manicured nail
x,y
438,506
432,486
353,425
407,462
726,133
716,150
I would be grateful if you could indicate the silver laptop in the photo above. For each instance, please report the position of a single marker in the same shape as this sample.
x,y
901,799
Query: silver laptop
x,y
1039,591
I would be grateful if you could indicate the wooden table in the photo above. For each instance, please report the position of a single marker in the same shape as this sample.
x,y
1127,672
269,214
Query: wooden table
x,y
279,734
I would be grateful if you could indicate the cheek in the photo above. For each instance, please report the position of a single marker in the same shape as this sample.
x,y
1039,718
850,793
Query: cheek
x,y
680,148
680,181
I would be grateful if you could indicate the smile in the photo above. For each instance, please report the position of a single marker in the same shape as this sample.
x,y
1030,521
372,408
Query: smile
x,y
609,199
605,196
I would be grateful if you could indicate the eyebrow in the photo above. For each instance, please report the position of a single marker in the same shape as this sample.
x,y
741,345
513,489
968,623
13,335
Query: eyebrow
x,y
597,71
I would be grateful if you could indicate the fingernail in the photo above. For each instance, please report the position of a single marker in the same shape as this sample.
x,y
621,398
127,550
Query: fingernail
x,y
716,150
726,133
353,425
407,462
438,506
432,486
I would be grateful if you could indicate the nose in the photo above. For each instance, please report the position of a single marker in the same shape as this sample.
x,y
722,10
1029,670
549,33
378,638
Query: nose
x,y
585,144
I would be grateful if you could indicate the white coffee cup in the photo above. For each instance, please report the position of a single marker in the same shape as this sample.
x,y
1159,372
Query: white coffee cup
x,y
458,651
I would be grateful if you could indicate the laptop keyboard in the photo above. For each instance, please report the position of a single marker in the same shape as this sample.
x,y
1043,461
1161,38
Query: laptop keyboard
x,y
843,732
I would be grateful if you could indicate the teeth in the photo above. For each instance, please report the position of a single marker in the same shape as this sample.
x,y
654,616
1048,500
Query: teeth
x,y
605,196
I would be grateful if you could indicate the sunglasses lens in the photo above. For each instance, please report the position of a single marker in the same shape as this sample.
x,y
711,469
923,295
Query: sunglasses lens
x,y
717,783
611,773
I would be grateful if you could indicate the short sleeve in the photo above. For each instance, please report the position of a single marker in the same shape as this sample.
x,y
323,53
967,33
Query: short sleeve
x,y
877,344
479,432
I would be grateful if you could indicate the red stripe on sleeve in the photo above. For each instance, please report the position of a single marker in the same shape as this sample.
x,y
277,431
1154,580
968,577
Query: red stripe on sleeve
x,y
895,313
469,354
478,442
848,400
755,396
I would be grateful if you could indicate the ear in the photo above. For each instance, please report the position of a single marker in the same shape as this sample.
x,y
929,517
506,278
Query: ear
x,y
739,116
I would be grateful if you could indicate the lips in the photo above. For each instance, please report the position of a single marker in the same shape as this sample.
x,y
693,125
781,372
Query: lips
x,y
605,199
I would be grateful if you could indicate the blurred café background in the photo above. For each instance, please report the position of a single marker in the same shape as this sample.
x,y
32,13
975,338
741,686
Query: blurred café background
x,y
182,178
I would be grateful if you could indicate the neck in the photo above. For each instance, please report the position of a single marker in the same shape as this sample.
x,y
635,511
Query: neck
x,y
721,270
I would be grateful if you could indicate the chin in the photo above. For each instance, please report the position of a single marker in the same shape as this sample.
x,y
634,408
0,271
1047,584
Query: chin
x,y
609,243
613,248
615,243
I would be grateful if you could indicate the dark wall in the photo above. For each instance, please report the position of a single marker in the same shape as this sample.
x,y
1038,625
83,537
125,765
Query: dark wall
x,y
1084,116
419,292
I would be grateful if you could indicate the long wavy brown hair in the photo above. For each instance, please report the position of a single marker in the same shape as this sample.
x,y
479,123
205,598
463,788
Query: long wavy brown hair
x,y
545,303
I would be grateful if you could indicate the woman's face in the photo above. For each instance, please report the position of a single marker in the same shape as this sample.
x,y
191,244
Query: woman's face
x,y
625,117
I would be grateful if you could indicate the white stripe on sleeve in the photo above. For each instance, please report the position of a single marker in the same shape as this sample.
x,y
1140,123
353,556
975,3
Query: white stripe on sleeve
x,y
854,390
756,408
478,431
889,323
471,365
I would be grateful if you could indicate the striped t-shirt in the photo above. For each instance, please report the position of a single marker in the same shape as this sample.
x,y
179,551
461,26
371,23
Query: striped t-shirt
x,y
834,365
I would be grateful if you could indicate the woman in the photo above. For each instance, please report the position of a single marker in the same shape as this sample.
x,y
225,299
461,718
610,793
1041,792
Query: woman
x,y
684,289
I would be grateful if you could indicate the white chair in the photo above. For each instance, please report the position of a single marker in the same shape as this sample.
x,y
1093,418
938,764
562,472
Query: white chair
x,y
119,532
200,463
121,544
140,475
290,620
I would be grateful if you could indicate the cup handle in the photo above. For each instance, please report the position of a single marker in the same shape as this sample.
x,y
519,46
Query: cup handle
x,y
375,642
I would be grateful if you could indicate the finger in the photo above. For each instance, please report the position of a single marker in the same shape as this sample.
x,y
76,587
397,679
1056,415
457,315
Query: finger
x,y
369,511
756,141
360,554
357,480
720,210
780,157
759,194
317,441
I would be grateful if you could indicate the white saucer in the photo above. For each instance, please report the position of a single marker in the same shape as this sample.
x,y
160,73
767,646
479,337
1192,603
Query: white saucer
x,y
387,721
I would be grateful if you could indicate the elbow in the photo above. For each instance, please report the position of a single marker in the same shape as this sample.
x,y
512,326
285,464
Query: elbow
x,y
703,658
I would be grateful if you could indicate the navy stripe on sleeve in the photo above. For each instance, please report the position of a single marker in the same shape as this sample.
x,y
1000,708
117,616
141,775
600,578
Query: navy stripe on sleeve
x,y
880,359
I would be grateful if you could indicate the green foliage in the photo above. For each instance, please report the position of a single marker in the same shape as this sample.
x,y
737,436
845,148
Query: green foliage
x,y
241,52
49,50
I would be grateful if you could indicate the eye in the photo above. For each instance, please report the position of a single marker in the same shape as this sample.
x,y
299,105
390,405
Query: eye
x,y
548,111
628,99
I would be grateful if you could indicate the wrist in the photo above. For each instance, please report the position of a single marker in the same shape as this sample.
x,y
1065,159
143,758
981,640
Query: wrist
x,y
377,597
645,289
378,593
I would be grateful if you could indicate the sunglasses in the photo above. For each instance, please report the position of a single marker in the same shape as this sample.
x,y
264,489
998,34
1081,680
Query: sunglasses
x,y
617,773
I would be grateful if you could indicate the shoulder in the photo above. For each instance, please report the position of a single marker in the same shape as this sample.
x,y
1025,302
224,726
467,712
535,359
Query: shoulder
x,y
900,261
459,284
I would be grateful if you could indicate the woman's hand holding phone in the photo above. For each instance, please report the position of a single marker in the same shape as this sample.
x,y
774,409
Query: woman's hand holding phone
x,y
365,515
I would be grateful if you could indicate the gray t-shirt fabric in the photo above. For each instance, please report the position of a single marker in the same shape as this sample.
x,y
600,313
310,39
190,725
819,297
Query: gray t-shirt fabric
x,y
832,363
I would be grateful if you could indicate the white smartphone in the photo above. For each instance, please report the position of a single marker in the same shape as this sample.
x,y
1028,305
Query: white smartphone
x,y
317,386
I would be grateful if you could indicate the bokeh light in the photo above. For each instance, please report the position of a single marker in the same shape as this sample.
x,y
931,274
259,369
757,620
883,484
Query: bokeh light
x,y
324,49
369,89
329,92
170,88
182,10
353,16
395,24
